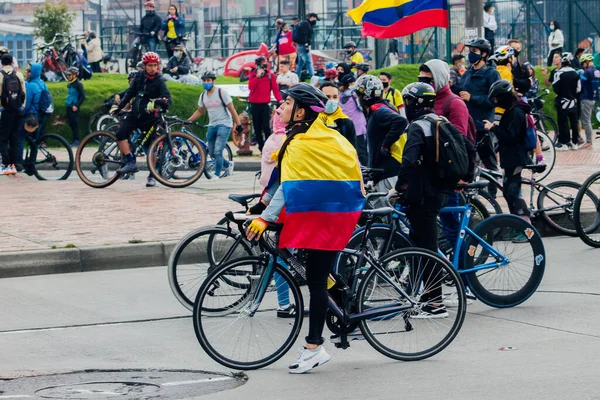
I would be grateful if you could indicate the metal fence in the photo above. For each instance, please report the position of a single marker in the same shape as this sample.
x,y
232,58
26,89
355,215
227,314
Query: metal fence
x,y
523,19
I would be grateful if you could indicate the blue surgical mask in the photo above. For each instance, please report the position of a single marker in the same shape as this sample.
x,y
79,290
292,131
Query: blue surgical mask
x,y
177,54
207,86
474,58
331,106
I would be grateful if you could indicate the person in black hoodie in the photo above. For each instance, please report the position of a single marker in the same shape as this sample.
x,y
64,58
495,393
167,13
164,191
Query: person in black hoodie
x,y
511,132
148,91
384,128
150,25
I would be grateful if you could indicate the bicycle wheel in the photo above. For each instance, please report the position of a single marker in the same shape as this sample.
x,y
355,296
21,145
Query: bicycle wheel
x,y
489,202
511,284
586,217
92,123
97,159
176,163
549,154
49,158
209,169
104,121
556,203
406,335
248,336
479,213
548,126
197,255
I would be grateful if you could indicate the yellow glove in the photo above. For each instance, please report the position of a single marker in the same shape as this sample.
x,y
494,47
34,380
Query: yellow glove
x,y
150,107
256,228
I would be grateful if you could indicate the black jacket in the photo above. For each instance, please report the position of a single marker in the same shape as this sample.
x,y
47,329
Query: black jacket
x,y
521,78
384,128
150,23
183,65
304,33
345,127
511,133
566,83
144,89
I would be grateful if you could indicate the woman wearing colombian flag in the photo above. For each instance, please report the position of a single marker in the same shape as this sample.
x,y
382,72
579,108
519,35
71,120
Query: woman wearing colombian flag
x,y
318,201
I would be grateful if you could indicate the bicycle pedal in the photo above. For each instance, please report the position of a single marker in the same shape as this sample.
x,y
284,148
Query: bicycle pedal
x,y
342,346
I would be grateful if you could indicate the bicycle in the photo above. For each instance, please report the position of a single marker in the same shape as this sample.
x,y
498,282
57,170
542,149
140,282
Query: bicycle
x,y
51,60
49,157
137,51
496,278
235,304
109,65
587,214
555,202
175,159
101,120
543,122
175,123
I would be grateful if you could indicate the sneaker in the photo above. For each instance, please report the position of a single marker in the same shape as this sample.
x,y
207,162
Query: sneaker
x,y
215,178
13,169
309,359
150,182
519,237
230,169
561,147
288,311
75,143
354,335
5,171
129,168
586,146
429,311
450,300
573,146
253,142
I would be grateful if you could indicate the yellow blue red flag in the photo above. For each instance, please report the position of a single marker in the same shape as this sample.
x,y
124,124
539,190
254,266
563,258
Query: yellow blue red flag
x,y
321,182
382,20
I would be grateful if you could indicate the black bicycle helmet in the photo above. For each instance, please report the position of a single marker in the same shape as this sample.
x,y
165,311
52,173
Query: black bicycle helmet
x,y
481,44
417,96
499,88
209,75
306,96
363,67
131,75
347,80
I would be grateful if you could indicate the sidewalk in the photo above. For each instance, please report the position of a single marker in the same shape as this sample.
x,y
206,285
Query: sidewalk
x,y
47,216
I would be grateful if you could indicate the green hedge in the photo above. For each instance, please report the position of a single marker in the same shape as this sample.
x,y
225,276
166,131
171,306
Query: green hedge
x,y
185,97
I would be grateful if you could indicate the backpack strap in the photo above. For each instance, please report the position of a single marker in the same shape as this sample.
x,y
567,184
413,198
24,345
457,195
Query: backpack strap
x,y
221,97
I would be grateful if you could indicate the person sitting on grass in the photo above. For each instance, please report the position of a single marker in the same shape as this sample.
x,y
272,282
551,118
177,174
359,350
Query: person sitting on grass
x,y
178,68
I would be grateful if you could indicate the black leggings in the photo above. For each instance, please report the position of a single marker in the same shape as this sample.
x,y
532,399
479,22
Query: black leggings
x,y
318,266
261,122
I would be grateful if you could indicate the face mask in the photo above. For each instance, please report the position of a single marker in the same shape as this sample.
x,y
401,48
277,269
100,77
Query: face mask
x,y
313,23
551,27
517,52
385,85
331,106
207,86
426,79
474,58
176,54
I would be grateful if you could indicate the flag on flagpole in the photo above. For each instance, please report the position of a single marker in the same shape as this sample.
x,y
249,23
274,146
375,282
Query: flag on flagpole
x,y
402,20
371,5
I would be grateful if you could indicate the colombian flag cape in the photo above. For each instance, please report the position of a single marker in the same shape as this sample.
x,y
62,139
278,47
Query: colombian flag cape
x,y
321,182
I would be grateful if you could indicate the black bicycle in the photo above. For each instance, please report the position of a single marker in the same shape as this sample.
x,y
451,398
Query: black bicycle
x,y
137,51
543,122
587,213
235,317
48,157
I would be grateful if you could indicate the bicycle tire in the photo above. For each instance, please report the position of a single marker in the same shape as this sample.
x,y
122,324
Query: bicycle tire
x,y
549,155
209,342
447,273
99,139
93,122
562,221
158,147
209,168
486,198
479,213
590,236
180,254
549,126
508,225
50,158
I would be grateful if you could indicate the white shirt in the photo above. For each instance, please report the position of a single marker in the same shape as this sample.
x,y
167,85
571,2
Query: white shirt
x,y
556,39
288,78
489,21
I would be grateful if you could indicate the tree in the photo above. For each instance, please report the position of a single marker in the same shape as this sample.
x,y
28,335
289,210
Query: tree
x,y
52,18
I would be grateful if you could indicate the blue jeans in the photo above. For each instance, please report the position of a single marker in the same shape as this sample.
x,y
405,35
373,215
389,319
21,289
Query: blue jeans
x,y
216,138
152,44
281,285
304,60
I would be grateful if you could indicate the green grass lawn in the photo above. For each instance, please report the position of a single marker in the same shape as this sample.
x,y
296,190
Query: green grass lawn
x,y
185,97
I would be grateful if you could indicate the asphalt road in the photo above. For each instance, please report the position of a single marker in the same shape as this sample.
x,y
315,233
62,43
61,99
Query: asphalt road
x,y
128,319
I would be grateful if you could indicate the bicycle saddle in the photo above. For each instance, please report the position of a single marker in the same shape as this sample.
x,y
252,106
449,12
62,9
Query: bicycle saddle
x,y
243,199
537,168
378,212
473,185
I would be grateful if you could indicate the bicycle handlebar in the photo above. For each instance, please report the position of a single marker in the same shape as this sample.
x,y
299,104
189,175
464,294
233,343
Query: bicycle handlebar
x,y
175,118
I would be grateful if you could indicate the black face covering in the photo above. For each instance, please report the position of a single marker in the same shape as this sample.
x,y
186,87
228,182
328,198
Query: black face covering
x,y
425,79
348,51
313,23
385,85
517,52
149,12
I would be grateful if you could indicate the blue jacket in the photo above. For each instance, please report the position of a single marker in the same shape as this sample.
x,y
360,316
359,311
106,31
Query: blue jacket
x,y
75,94
179,26
590,80
34,87
477,83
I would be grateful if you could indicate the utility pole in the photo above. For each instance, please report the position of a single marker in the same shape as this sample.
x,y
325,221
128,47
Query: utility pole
x,y
301,10
473,19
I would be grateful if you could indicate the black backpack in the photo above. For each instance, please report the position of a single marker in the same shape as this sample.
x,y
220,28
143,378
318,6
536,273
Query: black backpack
x,y
12,92
451,158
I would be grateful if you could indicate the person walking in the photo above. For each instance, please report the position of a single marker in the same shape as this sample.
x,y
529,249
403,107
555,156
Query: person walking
x,y
174,29
93,51
303,37
351,108
150,25
556,41
566,85
75,97
489,24
261,84
179,66
221,116
12,99
590,81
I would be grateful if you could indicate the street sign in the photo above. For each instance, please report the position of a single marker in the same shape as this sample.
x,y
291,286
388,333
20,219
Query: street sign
x,y
471,33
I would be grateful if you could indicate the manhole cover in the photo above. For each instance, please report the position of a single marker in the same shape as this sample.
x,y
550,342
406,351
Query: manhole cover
x,y
122,384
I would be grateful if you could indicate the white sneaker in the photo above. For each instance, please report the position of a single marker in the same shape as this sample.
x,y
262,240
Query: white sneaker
x,y
5,170
450,300
574,146
230,169
309,359
13,169
215,178
561,147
